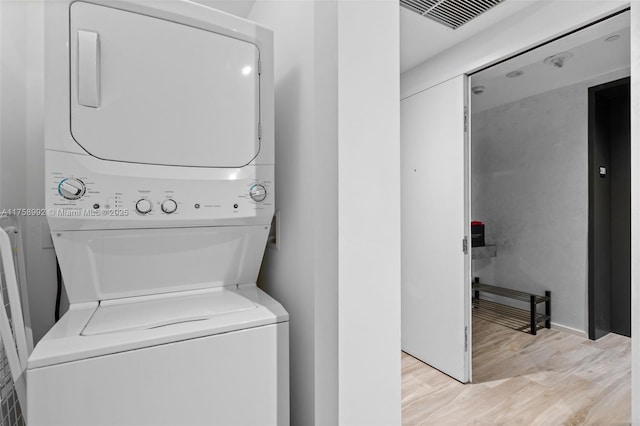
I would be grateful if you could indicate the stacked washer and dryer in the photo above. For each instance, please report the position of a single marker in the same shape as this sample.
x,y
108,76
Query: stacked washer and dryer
x,y
159,189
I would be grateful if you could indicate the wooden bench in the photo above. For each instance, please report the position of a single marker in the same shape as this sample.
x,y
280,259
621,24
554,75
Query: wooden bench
x,y
516,318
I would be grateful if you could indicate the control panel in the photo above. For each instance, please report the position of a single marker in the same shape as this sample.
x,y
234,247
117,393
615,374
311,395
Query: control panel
x,y
207,197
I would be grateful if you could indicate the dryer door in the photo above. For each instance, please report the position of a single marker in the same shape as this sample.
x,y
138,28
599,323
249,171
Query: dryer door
x,y
148,90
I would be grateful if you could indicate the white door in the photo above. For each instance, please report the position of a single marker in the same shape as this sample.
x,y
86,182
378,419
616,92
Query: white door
x,y
436,277
148,90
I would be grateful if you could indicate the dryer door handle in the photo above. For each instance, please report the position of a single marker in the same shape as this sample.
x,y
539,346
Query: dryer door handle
x,y
88,68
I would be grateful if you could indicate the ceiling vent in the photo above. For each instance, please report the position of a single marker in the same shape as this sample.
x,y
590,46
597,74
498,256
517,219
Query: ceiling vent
x,y
452,13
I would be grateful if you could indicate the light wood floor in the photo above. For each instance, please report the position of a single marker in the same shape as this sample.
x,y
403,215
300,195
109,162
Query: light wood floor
x,y
553,378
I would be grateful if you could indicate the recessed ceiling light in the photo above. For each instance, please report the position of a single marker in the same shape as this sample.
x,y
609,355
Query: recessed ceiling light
x,y
612,38
558,59
477,89
514,74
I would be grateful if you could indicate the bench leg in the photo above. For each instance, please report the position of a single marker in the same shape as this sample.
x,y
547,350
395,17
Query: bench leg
x,y
532,307
547,309
476,293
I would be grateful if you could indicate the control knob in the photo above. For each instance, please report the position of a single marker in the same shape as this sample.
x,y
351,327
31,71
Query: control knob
x,y
143,206
169,206
71,189
258,193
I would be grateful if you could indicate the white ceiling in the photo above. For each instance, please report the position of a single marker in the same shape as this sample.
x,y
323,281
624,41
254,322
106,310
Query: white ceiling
x,y
592,57
421,38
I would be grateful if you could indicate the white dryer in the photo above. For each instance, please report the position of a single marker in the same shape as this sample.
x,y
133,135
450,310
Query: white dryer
x,y
159,189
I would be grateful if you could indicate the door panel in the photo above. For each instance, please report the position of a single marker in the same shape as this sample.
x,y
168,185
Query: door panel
x,y
147,90
435,276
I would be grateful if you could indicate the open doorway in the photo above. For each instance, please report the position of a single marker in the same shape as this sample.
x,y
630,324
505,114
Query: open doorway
x,y
530,153
550,193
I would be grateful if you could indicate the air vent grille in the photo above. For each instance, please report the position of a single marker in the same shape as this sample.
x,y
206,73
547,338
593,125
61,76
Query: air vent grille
x,y
452,13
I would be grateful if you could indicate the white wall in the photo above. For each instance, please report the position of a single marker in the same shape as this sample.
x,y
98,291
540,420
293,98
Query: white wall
x,y
530,188
336,97
13,104
303,199
235,7
303,273
22,147
40,256
369,212
635,213
325,215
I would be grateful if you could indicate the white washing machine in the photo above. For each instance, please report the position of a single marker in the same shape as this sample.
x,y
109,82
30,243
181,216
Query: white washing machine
x,y
159,195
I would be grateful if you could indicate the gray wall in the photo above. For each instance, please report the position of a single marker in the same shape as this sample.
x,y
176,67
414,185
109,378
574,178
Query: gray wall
x,y
530,188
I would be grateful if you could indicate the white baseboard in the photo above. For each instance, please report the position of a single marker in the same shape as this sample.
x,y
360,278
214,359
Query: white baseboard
x,y
570,330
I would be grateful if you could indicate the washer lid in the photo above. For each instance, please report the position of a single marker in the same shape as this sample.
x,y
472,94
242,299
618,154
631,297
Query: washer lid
x,y
231,309
161,311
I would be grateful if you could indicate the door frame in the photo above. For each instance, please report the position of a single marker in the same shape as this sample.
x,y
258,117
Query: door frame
x,y
593,223
467,216
515,54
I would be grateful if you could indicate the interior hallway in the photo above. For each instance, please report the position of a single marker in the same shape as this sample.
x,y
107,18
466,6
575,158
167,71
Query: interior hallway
x,y
553,378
